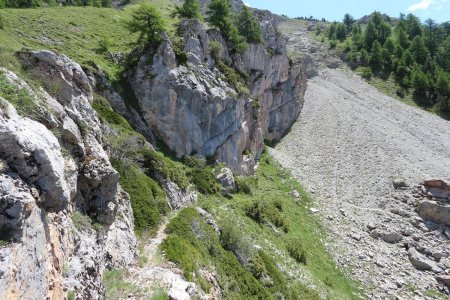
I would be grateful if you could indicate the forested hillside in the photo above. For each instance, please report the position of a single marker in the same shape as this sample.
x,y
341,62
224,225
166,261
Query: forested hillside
x,y
414,55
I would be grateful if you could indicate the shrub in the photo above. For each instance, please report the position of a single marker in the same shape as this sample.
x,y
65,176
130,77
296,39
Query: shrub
x,y
2,22
204,180
107,115
296,251
20,98
194,245
235,78
81,221
265,211
155,162
246,185
104,44
216,50
366,72
194,161
148,200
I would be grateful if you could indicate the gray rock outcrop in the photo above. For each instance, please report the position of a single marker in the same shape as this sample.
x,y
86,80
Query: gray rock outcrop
x,y
193,109
56,182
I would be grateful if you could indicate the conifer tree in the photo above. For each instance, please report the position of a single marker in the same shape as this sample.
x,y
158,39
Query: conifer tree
x,y
220,16
418,49
249,26
189,10
148,22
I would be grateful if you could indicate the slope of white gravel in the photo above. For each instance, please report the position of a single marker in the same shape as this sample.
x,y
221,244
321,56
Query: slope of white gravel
x,y
349,143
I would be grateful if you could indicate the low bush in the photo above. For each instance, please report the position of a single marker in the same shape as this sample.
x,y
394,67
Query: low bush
x,y
246,185
148,200
365,72
155,162
296,250
204,180
266,211
20,98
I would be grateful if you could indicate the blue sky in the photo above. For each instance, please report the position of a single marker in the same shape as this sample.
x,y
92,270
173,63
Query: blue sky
x,y
438,10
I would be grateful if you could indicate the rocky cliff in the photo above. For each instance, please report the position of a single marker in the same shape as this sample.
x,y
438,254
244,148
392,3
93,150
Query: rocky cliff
x,y
193,107
62,211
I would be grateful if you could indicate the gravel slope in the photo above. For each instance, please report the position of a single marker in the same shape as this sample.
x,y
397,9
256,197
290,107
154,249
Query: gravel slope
x,y
350,142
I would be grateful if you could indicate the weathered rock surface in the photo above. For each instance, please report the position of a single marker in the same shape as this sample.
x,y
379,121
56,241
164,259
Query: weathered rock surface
x,y
55,172
435,212
192,109
226,179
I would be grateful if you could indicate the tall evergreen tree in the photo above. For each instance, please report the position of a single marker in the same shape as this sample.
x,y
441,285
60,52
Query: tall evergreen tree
x,y
332,31
189,10
418,50
341,33
249,26
348,22
220,15
148,22
370,35
376,58
413,26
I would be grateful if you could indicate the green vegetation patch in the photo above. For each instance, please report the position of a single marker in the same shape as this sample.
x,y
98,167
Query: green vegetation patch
x,y
77,32
115,285
20,98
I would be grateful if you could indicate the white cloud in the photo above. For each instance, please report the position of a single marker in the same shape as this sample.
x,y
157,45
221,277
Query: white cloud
x,y
422,5
246,4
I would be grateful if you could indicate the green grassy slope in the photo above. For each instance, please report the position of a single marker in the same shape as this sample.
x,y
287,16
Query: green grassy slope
x,y
74,31
245,224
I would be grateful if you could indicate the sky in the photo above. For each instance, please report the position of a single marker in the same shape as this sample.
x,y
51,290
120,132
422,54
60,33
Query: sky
x,y
439,10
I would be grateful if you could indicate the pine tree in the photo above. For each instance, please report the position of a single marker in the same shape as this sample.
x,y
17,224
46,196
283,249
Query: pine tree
x,y
402,38
420,81
376,59
443,83
341,33
189,10
348,22
249,26
418,50
445,55
332,32
220,16
148,22
413,26
370,35
389,46
431,36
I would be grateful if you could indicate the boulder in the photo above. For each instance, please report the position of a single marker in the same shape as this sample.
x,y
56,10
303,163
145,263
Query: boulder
x,y
420,262
444,279
391,237
435,212
226,179
399,183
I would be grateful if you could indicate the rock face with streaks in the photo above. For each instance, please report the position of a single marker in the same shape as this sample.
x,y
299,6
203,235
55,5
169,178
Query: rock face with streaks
x,y
56,181
193,109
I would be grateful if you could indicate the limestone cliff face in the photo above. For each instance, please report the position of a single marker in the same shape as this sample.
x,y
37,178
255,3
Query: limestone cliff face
x,y
192,108
56,181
